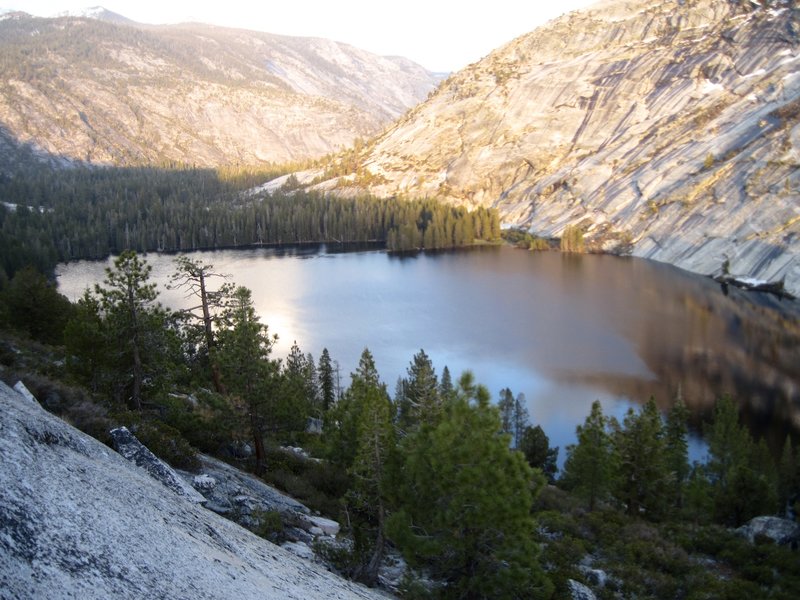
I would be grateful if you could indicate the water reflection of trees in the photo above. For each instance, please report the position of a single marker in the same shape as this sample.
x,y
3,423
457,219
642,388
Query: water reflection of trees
x,y
701,343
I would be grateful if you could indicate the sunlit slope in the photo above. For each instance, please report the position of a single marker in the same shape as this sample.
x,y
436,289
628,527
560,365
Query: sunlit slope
x,y
666,129
118,93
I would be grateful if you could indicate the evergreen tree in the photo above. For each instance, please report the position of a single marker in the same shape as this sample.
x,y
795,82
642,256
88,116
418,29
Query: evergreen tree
x,y
506,407
327,380
419,400
535,446
366,500
643,475
193,276
677,451
588,469
141,339
32,305
520,419
249,373
741,472
446,387
89,344
788,475
466,500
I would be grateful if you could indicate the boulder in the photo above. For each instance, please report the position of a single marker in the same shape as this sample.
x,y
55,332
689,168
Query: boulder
x,y
325,526
579,591
132,449
20,388
780,531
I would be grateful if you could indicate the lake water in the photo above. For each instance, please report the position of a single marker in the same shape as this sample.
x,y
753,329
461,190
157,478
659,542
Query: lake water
x,y
562,329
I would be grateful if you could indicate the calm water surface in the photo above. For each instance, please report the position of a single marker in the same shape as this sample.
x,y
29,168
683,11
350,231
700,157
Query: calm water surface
x,y
564,330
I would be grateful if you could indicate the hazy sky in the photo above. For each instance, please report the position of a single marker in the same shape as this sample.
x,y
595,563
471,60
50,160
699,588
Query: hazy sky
x,y
442,35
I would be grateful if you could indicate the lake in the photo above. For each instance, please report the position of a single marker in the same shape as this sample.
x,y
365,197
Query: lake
x,y
562,329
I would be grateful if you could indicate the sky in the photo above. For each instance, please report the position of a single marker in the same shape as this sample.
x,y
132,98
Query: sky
x,y
441,35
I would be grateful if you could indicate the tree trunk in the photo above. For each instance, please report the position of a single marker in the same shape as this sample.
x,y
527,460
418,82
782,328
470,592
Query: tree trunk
x,y
258,442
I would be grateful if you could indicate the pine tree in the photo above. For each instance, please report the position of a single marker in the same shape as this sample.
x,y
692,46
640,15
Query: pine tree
x,y
535,446
327,380
419,401
506,407
466,499
249,373
788,475
741,472
643,474
589,467
677,451
137,325
193,276
374,443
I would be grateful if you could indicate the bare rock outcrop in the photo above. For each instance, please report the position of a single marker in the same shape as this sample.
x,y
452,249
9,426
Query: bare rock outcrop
x,y
122,93
79,521
667,129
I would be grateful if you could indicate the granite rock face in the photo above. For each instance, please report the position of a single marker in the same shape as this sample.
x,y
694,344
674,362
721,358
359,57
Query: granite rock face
x,y
79,521
668,129
122,93
132,449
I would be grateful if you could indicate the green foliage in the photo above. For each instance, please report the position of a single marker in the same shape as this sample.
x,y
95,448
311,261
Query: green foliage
x,y
642,472
120,340
367,499
91,213
31,305
247,371
327,379
418,400
676,452
466,499
589,467
524,239
535,446
742,472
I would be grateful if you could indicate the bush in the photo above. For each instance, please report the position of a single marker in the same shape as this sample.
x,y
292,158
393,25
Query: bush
x,y
167,443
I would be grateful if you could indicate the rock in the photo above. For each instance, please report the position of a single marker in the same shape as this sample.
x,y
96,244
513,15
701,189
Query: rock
x,y
201,94
596,576
590,120
204,482
780,531
326,526
79,521
132,449
299,549
579,591
20,388
314,425
240,450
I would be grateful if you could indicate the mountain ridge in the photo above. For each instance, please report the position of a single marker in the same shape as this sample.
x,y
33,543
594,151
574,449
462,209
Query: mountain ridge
x,y
666,130
102,92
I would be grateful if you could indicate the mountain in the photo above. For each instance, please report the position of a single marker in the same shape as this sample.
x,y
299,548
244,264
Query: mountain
x,y
79,521
106,90
99,13
665,129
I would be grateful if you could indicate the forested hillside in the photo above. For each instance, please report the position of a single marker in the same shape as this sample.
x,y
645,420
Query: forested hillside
x,y
55,216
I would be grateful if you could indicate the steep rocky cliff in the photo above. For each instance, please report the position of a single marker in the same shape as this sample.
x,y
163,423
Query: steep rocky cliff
x,y
668,128
79,521
111,91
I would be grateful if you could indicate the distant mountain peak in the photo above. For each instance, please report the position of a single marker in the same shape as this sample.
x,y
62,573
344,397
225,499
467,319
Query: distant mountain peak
x,y
96,12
